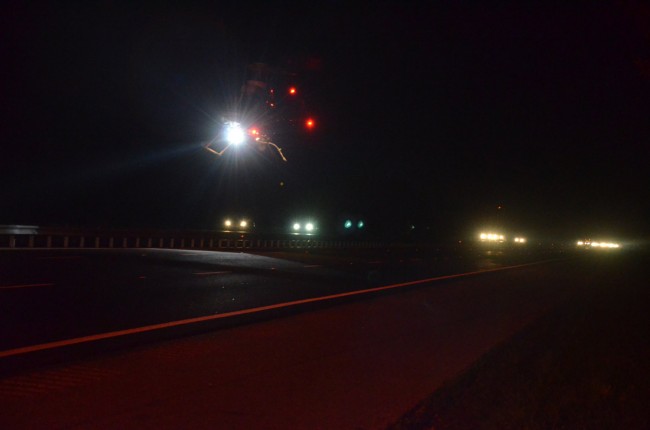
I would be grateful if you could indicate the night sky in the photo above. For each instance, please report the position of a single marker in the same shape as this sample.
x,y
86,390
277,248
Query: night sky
x,y
429,115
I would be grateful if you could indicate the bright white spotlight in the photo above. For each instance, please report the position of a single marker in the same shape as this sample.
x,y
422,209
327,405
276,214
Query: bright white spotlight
x,y
227,223
309,226
234,133
296,226
243,224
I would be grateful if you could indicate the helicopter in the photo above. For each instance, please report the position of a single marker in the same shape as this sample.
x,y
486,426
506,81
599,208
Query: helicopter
x,y
271,98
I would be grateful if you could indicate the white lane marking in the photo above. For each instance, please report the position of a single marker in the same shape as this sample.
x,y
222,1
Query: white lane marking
x,y
211,273
13,287
153,327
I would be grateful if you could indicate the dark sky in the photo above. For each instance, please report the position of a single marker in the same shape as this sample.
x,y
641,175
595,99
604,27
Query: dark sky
x,y
428,115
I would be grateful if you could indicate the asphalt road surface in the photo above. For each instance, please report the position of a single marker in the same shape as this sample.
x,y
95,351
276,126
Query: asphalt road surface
x,y
53,295
353,364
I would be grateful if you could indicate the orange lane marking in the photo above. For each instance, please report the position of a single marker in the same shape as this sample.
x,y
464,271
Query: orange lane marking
x,y
153,327
13,287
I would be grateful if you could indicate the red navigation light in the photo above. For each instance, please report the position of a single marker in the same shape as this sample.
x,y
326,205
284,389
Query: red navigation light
x,y
310,123
293,91
255,133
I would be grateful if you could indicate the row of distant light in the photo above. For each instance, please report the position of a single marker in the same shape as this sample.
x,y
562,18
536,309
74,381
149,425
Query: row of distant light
x,y
587,243
308,226
243,224
495,237
297,227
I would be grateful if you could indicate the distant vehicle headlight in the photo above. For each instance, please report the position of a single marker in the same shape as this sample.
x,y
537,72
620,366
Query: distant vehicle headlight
x,y
605,245
492,237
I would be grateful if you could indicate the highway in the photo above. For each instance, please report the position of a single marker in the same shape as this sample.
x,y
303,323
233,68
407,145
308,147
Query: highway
x,y
350,364
57,294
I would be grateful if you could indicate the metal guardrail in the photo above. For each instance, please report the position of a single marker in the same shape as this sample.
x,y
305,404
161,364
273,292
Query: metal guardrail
x,y
180,241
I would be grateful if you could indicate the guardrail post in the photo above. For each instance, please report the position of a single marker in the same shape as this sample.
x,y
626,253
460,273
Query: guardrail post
x,y
96,241
171,243
31,241
149,243
82,242
49,242
137,242
110,242
12,241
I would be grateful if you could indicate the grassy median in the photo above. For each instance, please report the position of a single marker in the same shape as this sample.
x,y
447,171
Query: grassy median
x,y
586,365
